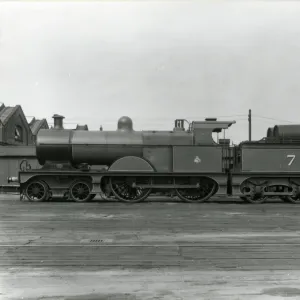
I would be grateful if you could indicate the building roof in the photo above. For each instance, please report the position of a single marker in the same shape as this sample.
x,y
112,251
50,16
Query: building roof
x,y
6,113
35,125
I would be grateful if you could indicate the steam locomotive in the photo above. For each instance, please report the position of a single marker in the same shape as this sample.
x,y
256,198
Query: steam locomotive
x,y
130,165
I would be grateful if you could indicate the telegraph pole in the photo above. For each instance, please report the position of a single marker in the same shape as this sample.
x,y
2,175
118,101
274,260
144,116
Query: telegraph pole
x,y
249,119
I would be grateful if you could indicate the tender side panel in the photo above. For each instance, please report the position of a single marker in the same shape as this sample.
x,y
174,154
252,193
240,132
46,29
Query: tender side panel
x,y
159,157
270,160
197,159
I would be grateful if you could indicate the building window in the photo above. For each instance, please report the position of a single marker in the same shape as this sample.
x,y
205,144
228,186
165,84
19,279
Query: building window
x,y
18,133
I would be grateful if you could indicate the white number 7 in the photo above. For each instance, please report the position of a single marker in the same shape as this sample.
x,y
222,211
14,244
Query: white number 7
x,y
291,156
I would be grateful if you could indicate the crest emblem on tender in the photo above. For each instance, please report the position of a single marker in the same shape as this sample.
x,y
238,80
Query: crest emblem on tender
x,y
197,160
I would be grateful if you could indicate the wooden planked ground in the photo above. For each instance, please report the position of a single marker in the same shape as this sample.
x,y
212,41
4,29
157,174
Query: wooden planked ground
x,y
152,250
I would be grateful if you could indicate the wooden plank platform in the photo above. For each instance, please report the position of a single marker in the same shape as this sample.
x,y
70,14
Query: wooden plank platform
x,y
152,250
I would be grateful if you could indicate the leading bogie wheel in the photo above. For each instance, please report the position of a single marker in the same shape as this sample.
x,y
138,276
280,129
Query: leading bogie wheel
x,y
80,191
36,191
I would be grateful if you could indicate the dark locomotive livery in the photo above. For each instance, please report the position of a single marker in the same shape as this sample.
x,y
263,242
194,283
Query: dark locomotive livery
x,y
130,165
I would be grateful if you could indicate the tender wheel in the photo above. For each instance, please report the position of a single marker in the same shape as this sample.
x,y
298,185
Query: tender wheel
x,y
36,191
292,199
256,195
123,190
201,194
80,191
254,200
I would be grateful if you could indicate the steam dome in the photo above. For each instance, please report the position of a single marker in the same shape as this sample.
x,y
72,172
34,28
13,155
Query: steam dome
x,y
125,124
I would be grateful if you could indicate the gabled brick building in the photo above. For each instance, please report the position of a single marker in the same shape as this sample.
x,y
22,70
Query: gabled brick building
x,y
17,141
36,125
14,128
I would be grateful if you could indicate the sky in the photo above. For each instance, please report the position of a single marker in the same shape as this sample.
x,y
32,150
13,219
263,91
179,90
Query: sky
x,y
153,61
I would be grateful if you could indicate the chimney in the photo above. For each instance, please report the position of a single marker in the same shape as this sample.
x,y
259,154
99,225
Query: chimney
x,y
58,121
